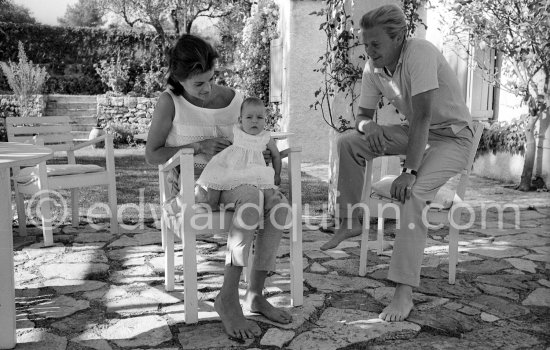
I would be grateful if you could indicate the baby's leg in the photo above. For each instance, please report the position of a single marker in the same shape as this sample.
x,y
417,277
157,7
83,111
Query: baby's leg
x,y
213,200
272,198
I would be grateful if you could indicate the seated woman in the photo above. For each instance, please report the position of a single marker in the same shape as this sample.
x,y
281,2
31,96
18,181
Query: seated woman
x,y
195,113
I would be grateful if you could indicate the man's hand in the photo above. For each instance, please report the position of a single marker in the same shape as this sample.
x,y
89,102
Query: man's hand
x,y
402,186
374,136
213,146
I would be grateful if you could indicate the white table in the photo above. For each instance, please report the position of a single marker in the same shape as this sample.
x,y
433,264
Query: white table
x,y
11,154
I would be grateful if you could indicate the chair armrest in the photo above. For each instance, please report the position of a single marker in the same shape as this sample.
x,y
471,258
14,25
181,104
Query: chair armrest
x,y
89,142
174,160
286,152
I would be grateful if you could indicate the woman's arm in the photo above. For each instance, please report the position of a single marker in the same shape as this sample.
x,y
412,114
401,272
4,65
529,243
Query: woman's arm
x,y
155,151
276,159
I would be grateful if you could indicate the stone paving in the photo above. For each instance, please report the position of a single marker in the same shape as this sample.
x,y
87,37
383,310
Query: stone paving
x,y
93,290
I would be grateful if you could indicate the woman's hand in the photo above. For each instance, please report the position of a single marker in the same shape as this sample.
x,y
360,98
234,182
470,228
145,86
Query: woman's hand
x,y
402,186
374,135
213,146
277,180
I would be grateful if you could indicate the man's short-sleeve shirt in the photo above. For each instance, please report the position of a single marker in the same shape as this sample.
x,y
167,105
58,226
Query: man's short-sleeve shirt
x,y
421,68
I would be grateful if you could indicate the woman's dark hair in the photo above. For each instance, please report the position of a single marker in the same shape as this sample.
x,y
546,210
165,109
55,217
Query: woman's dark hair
x,y
190,56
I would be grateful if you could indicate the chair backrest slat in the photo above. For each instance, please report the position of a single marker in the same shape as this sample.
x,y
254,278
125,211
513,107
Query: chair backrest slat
x,y
55,131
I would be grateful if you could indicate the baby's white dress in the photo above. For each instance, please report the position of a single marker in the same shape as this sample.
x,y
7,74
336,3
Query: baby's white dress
x,y
242,163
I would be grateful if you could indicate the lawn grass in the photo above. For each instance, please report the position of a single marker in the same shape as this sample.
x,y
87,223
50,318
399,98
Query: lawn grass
x,y
138,192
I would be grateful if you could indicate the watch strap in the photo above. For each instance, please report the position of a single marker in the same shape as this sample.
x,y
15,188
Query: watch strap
x,y
410,171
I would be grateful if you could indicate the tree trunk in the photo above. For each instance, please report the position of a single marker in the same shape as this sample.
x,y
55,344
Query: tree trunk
x,y
530,148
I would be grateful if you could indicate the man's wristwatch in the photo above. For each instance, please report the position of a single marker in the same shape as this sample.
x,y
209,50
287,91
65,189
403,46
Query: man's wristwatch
x,y
410,171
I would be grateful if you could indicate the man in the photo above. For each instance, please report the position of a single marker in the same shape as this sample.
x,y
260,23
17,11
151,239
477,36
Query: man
x,y
436,138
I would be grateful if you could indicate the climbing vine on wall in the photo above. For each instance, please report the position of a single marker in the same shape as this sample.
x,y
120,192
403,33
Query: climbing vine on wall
x,y
340,73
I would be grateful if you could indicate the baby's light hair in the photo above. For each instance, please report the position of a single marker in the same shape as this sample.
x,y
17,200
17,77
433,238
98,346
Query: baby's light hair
x,y
390,18
251,101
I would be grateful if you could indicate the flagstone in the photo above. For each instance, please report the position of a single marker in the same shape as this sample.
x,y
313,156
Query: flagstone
x,y
39,260
78,247
538,257
498,291
175,313
331,283
39,339
494,231
504,338
132,305
133,252
89,256
124,241
356,301
442,288
522,240
500,307
35,250
346,266
149,237
22,276
488,317
497,252
93,237
445,321
77,271
521,282
539,297
193,337
58,307
300,314
481,267
317,268
134,274
544,282
282,267
64,286
150,330
315,254
341,327
541,250
276,337
523,264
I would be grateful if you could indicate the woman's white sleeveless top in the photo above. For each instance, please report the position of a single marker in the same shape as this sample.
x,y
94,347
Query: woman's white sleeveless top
x,y
193,124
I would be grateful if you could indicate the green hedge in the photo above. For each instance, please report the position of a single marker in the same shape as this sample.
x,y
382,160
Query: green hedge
x,y
70,53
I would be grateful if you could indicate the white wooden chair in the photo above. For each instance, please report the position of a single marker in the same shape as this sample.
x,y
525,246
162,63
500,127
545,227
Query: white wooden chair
x,y
375,200
55,133
173,225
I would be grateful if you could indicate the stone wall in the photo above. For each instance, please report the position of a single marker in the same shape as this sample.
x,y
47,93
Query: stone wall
x,y
132,114
9,106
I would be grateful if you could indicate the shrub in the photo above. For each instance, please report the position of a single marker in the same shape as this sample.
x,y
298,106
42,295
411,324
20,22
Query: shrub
x,y
113,73
25,79
504,137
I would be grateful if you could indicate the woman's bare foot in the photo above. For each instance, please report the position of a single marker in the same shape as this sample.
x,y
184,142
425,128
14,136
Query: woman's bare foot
x,y
339,236
400,306
258,303
233,320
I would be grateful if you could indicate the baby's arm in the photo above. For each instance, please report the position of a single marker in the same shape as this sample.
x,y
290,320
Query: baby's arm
x,y
276,159
213,199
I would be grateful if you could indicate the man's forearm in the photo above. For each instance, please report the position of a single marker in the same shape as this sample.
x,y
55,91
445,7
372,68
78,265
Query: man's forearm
x,y
419,129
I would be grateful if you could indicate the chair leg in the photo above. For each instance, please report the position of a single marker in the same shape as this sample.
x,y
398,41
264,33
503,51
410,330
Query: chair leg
x,y
45,205
296,266
190,290
364,248
380,236
453,243
21,216
168,256
113,207
75,219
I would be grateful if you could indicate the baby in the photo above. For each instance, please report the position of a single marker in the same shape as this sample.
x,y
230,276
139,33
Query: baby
x,y
243,162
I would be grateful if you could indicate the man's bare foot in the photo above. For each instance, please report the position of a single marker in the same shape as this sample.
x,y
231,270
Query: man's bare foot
x,y
233,320
339,236
258,303
400,306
